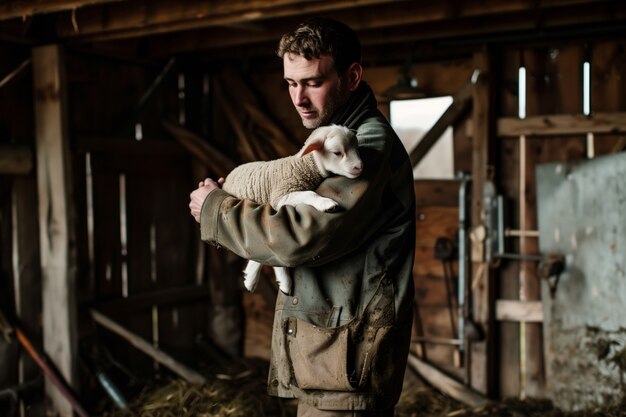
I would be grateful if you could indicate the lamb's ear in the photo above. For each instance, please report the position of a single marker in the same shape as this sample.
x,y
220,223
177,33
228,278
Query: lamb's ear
x,y
315,142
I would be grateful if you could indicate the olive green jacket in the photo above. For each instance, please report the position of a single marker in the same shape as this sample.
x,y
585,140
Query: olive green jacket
x,y
340,340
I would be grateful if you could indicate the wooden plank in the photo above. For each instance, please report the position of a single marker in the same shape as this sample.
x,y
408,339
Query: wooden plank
x,y
508,273
515,310
441,193
480,367
106,236
608,88
508,343
462,146
430,291
563,124
161,167
140,18
141,344
426,265
384,25
15,159
127,146
140,260
27,275
435,222
178,324
56,223
23,8
9,351
145,300
508,335
446,384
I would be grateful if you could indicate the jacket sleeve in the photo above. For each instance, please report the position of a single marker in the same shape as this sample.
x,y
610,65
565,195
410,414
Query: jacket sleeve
x,y
301,235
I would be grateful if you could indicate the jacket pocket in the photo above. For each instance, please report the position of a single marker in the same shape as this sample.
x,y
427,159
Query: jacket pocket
x,y
319,356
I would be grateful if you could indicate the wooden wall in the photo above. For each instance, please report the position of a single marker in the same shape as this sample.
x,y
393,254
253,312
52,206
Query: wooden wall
x,y
18,202
554,86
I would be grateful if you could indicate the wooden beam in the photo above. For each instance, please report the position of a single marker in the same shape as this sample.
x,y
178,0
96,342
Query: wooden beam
x,y
56,225
445,383
145,301
215,160
382,24
259,136
15,159
453,113
562,125
145,17
515,310
244,142
10,9
158,355
480,365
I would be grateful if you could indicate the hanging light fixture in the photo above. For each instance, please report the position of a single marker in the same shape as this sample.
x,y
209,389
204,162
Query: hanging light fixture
x,y
405,88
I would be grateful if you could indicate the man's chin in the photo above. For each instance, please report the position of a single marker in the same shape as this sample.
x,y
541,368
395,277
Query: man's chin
x,y
311,124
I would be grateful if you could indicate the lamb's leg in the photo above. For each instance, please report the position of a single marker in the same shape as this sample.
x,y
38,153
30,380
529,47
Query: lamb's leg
x,y
307,197
283,279
251,275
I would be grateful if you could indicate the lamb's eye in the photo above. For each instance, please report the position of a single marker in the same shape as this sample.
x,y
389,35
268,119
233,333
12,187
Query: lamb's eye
x,y
337,153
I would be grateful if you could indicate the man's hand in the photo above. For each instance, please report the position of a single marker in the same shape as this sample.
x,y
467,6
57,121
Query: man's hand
x,y
198,195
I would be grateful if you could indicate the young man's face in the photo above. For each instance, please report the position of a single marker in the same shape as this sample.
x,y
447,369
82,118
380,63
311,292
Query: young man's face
x,y
315,88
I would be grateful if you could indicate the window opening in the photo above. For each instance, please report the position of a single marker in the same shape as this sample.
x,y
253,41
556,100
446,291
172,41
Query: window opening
x,y
411,119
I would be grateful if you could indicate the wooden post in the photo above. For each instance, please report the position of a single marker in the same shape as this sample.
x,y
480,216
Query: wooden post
x,y
58,263
481,354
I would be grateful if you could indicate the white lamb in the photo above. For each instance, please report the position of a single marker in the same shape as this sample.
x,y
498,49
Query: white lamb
x,y
291,181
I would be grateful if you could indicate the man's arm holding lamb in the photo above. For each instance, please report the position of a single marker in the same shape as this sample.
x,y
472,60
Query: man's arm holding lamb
x,y
301,235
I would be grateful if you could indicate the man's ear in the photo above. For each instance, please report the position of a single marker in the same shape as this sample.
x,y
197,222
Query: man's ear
x,y
354,74
315,141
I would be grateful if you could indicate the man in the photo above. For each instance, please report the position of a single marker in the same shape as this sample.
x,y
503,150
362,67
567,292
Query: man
x,y
340,340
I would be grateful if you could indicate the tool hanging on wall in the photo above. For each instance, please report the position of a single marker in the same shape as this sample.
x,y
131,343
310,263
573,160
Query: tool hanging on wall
x,y
44,363
445,251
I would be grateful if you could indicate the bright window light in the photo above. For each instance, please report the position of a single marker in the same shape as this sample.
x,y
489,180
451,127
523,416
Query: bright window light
x,y
586,89
411,119
521,104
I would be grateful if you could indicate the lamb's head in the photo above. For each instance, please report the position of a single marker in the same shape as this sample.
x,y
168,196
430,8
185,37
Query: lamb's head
x,y
335,150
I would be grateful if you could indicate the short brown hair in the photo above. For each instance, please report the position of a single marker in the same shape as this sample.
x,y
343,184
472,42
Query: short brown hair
x,y
323,36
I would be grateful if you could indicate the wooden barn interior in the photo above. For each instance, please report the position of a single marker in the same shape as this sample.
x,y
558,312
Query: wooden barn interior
x,y
111,111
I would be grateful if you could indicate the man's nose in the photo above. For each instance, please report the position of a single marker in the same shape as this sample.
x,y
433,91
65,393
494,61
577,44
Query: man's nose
x,y
300,98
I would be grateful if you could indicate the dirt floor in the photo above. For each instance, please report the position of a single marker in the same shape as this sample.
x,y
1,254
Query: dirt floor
x,y
244,396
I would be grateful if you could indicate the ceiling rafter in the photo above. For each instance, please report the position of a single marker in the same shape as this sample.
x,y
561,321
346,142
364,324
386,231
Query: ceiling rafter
x,y
393,25
10,9
143,18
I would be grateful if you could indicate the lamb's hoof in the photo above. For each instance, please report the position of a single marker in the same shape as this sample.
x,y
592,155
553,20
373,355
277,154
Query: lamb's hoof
x,y
334,209
285,288
327,205
250,282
